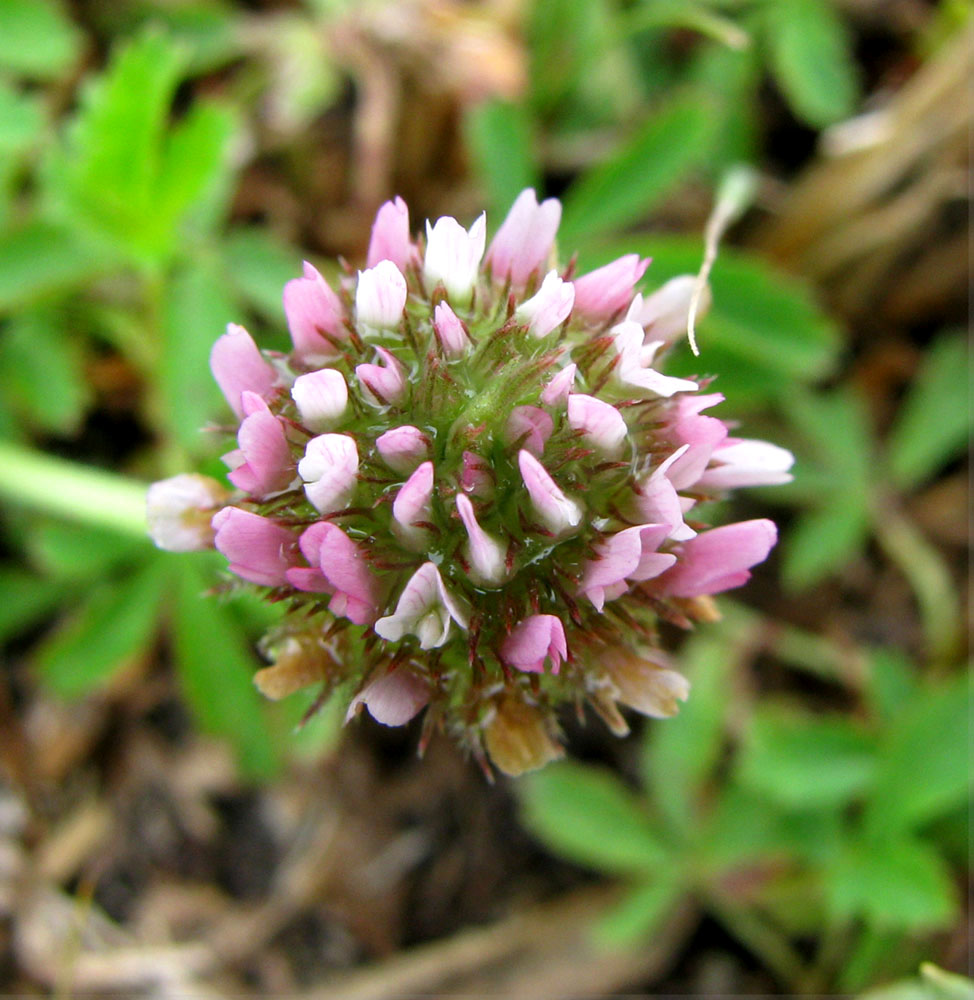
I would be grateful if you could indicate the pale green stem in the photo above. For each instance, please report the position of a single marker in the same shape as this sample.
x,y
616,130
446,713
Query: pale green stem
x,y
65,489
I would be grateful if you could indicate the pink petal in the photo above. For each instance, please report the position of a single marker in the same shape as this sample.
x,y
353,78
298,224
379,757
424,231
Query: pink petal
x,y
598,422
344,566
390,236
548,308
702,434
633,368
310,577
657,501
238,366
412,502
665,313
313,309
525,239
179,511
747,463
329,469
449,331
557,390
268,467
453,256
534,640
383,384
393,699
557,511
257,549
380,296
321,398
425,609
487,555
475,478
719,559
403,448
602,293
529,427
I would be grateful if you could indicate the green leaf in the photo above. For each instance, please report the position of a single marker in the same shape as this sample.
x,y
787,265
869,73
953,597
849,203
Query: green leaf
x,y
642,911
822,541
806,762
891,683
836,426
636,177
113,627
216,669
586,815
196,311
896,883
500,138
41,259
42,376
679,756
66,552
258,266
21,120
934,422
25,600
812,60
924,768
37,39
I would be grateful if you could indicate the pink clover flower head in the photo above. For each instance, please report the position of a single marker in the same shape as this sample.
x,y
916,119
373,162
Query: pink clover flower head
x,y
467,466
390,238
523,244
453,256
179,511
548,308
380,296
535,640
606,291
238,367
315,317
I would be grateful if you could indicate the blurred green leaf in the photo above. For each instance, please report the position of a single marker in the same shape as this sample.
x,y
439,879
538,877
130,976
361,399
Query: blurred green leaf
x,y
894,882
216,670
25,600
500,138
934,422
40,259
679,756
37,39
42,376
68,552
642,911
123,174
892,683
823,540
113,627
21,120
586,815
836,426
812,60
924,767
635,177
196,312
258,266
805,762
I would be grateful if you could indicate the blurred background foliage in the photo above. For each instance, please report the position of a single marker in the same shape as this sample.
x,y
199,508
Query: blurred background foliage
x,y
166,165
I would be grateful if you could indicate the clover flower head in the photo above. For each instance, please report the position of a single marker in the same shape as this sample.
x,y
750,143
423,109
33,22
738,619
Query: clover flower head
x,y
473,488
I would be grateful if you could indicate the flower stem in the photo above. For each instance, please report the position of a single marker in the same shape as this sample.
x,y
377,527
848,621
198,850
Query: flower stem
x,y
64,489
